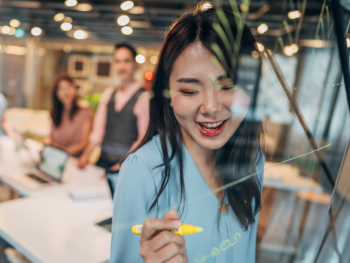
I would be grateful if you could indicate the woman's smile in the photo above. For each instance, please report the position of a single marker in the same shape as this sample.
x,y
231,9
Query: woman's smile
x,y
211,129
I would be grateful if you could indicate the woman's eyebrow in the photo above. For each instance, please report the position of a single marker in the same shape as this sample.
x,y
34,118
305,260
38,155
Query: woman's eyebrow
x,y
188,80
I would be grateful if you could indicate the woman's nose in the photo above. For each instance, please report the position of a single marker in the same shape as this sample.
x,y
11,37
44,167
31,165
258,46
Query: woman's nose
x,y
211,102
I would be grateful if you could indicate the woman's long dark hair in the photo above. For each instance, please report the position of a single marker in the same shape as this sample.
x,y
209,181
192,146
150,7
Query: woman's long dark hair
x,y
57,106
242,152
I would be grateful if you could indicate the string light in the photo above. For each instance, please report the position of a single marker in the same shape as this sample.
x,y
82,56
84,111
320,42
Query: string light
x,y
126,30
262,28
80,34
127,5
5,30
66,26
36,31
71,3
206,6
261,47
154,59
84,7
59,17
123,20
15,23
140,59
294,14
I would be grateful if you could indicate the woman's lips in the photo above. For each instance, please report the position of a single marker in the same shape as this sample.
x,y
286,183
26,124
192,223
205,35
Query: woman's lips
x,y
211,129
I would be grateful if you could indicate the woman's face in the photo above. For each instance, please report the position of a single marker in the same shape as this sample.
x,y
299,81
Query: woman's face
x,y
207,106
66,92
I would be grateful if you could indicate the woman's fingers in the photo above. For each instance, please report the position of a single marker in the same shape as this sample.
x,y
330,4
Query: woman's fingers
x,y
164,238
172,214
178,259
167,252
152,225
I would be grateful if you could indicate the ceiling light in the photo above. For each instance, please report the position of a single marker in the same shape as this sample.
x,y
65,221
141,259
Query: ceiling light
x,y
348,42
154,59
36,31
71,2
294,14
80,34
83,7
126,30
206,6
66,26
12,31
137,10
140,59
19,33
5,30
58,17
261,47
127,5
262,28
15,23
123,20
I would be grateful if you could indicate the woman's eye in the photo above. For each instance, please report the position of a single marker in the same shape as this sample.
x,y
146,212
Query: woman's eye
x,y
228,87
189,92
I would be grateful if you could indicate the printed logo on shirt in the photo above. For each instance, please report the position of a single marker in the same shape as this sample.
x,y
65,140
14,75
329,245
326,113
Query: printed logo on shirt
x,y
226,244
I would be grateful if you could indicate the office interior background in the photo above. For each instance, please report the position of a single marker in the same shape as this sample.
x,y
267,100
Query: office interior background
x,y
304,218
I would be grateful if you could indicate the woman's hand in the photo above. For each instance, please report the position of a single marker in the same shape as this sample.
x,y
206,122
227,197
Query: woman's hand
x,y
164,246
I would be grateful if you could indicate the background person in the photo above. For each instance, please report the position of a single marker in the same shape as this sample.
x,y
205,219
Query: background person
x,y
71,124
122,116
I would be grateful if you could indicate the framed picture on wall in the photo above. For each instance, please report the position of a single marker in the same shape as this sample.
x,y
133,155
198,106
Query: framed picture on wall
x,y
78,66
102,67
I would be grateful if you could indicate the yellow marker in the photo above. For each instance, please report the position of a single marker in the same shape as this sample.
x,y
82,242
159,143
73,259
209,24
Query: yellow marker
x,y
183,230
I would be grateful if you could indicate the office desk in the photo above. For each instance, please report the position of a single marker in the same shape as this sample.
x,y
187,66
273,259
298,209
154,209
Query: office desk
x,y
286,177
72,178
56,229
47,226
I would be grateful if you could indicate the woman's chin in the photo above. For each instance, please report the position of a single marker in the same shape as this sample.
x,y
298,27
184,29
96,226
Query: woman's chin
x,y
212,143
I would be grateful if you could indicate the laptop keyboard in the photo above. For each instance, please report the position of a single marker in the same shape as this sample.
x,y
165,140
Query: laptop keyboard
x,y
37,178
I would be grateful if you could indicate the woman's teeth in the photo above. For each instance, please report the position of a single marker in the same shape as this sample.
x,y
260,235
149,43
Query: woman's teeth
x,y
211,126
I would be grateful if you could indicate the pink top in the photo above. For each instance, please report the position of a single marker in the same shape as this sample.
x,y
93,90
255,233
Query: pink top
x,y
69,131
141,111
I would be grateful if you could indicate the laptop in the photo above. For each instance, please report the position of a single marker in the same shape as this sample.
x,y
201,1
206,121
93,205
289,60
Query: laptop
x,y
49,171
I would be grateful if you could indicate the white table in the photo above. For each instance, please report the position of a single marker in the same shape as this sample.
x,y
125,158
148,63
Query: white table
x,y
56,229
47,226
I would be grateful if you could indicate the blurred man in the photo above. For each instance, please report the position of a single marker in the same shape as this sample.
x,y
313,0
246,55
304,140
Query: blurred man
x,y
122,115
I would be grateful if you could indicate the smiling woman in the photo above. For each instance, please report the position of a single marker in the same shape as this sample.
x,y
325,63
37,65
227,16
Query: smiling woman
x,y
201,137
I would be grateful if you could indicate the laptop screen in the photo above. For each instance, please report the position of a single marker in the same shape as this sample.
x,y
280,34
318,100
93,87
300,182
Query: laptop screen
x,y
52,162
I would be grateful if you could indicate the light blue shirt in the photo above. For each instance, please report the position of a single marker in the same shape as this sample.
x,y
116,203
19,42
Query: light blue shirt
x,y
136,189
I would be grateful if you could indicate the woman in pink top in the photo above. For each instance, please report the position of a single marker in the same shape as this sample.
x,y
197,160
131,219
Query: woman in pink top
x,y
71,124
